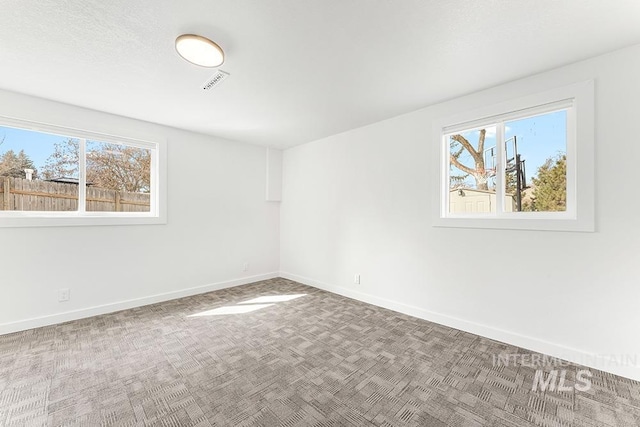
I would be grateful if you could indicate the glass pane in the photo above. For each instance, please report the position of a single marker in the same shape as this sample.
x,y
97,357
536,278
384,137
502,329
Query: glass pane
x,y
118,178
536,172
38,171
472,171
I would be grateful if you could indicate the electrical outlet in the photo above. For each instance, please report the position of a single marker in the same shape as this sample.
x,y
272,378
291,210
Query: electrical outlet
x,y
64,295
356,279
245,266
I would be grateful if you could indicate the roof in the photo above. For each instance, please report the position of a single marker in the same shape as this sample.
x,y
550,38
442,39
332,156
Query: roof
x,y
67,180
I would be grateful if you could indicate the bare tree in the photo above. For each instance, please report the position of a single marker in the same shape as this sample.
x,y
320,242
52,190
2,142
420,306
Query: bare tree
x,y
458,145
119,167
63,162
112,166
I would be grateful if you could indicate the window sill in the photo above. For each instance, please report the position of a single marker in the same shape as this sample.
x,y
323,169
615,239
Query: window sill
x,y
50,219
540,222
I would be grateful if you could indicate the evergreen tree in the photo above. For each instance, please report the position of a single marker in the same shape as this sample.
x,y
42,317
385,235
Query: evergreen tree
x,y
511,181
13,165
550,186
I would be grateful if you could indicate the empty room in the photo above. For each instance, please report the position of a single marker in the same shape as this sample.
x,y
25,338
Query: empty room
x,y
319,213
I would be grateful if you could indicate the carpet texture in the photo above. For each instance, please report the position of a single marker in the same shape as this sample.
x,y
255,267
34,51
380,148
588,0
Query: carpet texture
x,y
242,357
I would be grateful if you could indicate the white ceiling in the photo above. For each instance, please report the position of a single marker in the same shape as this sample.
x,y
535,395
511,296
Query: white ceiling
x,y
300,69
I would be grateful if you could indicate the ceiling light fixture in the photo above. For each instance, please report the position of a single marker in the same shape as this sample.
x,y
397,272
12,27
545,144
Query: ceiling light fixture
x,y
199,50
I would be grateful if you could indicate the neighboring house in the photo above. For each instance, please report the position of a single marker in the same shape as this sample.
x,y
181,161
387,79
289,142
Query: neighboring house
x,y
468,200
66,180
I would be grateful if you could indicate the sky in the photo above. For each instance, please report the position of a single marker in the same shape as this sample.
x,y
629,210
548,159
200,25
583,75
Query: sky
x,y
37,145
538,138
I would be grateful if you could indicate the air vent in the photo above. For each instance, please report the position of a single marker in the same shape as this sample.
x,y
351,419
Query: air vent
x,y
215,80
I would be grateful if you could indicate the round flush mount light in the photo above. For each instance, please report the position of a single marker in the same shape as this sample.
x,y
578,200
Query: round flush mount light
x,y
199,50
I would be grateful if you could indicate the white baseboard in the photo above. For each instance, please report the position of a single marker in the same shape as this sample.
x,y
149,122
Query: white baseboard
x,y
36,322
613,364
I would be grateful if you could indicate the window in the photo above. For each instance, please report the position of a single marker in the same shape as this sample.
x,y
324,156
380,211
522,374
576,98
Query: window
x,y
57,176
522,164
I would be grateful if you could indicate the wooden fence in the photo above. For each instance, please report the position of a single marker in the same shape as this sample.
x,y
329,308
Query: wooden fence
x,y
23,195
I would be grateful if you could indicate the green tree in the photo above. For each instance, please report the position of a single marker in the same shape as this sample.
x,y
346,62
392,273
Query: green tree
x,y
511,181
458,144
13,165
550,186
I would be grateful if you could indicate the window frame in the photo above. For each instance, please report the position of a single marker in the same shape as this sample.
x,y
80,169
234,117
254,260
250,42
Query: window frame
x,y
578,101
81,217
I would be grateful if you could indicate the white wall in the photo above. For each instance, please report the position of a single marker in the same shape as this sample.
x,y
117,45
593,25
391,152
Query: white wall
x,y
274,175
360,203
217,220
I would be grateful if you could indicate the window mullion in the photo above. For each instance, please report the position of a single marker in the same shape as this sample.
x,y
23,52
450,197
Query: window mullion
x,y
153,179
82,184
500,168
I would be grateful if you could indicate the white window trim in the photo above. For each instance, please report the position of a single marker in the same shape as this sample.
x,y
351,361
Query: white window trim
x,y
580,161
158,181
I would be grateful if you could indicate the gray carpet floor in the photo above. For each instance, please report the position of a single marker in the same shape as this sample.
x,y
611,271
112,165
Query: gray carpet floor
x,y
240,357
